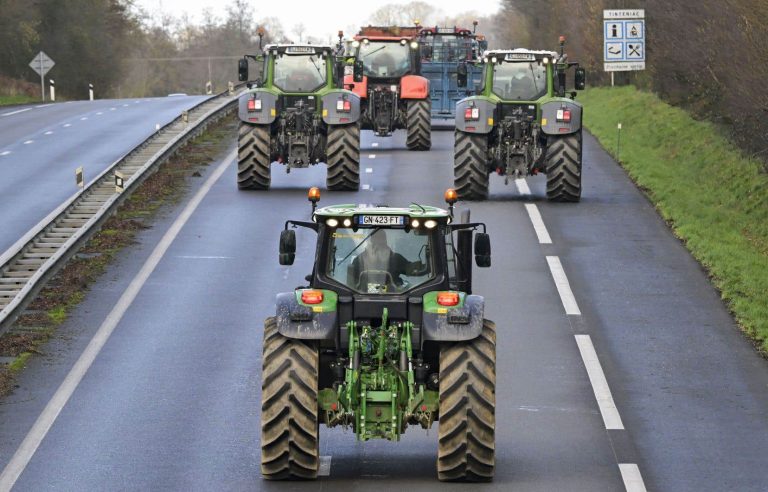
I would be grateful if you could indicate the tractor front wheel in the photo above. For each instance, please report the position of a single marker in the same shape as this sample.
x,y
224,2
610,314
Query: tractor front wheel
x,y
466,442
289,415
253,157
470,165
564,168
419,125
343,158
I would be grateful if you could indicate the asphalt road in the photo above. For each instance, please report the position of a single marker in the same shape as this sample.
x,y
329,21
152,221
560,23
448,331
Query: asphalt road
x,y
172,400
42,145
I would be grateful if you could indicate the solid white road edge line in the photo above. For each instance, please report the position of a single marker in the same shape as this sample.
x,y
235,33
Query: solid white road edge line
x,y
633,481
563,287
538,224
37,433
608,409
15,112
522,186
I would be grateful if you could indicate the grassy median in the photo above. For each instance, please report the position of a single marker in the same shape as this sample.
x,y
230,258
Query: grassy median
x,y
714,196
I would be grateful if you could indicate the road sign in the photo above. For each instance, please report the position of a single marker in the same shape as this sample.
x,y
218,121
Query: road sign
x,y
41,64
624,40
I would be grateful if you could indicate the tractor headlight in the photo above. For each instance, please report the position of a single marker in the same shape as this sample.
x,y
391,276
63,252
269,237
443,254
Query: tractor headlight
x,y
331,222
347,223
415,223
414,45
430,224
545,60
355,44
494,60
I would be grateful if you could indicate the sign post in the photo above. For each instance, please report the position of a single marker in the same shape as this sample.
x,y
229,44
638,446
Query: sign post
x,y
42,64
624,40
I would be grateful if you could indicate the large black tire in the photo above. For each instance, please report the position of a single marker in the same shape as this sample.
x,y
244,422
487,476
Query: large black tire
x,y
343,158
253,157
289,415
466,443
470,165
564,168
419,125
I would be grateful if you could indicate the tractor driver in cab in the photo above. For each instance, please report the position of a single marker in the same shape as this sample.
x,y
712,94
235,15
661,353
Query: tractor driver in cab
x,y
383,65
377,269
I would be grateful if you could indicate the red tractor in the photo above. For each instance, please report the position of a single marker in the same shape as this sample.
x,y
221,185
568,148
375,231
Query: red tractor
x,y
387,77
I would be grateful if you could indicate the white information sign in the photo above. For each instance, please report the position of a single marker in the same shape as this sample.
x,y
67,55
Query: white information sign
x,y
624,45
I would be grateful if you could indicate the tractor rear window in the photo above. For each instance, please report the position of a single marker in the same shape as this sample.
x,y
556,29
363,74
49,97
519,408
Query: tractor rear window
x,y
385,59
520,81
447,48
380,261
299,73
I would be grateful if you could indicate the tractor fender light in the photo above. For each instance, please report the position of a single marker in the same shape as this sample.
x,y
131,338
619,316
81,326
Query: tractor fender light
x,y
311,296
314,194
451,196
472,114
331,222
563,115
494,60
443,298
545,60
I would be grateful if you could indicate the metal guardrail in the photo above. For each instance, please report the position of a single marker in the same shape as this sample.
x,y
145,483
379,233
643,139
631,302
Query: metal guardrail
x,y
41,252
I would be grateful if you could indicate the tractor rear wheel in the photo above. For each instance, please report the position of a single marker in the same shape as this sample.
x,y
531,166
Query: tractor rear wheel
x,y
470,165
289,415
466,443
253,157
419,125
564,168
343,158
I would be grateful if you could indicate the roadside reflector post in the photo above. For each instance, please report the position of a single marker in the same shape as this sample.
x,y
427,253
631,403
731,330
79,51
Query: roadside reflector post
x,y
119,182
185,116
90,91
79,177
618,142
53,91
231,89
209,88
157,127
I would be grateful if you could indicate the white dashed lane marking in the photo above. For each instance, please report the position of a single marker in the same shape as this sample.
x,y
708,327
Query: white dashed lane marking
x,y
325,466
538,223
368,170
375,144
608,409
83,118
371,156
5,152
49,132
29,142
99,113
16,112
366,187
630,474
563,286
67,125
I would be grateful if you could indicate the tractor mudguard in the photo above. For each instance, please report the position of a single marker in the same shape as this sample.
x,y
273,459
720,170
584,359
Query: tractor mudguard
x,y
458,324
268,111
295,320
359,88
414,87
332,116
484,124
549,123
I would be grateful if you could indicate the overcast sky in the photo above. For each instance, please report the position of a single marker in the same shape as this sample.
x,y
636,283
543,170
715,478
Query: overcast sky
x,y
322,18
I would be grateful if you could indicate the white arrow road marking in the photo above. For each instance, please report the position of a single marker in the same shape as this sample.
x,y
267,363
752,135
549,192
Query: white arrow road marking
x,y
630,474
43,424
563,287
538,224
522,186
600,387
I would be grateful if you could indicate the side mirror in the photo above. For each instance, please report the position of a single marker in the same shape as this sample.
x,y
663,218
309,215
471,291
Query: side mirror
x,y
287,247
482,250
580,80
242,70
357,71
461,75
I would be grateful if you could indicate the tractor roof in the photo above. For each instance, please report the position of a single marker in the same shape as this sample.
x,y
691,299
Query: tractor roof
x,y
520,51
414,211
299,48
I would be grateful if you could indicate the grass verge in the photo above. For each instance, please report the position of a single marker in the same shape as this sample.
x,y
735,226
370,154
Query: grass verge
x,y
68,287
20,99
714,197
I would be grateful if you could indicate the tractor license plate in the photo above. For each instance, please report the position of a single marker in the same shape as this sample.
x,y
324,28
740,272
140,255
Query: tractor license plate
x,y
381,220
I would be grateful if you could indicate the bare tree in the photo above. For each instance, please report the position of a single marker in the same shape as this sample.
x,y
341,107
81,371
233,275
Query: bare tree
x,y
299,30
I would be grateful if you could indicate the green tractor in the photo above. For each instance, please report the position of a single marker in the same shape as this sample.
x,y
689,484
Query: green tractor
x,y
386,334
297,114
522,122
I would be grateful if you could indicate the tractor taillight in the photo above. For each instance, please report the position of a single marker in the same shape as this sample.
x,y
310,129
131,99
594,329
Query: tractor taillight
x,y
564,115
254,105
447,298
311,296
343,106
472,114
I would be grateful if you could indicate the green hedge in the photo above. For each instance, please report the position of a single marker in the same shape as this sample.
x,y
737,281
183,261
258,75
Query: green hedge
x,y
714,197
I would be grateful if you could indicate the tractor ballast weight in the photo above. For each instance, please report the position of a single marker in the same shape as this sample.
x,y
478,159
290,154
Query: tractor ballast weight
x,y
523,122
387,334
296,113
393,94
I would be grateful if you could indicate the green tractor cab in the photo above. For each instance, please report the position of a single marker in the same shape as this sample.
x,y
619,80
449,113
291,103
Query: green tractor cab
x,y
523,122
297,114
387,334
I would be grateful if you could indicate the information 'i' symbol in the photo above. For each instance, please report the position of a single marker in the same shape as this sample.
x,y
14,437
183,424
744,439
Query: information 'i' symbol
x,y
615,31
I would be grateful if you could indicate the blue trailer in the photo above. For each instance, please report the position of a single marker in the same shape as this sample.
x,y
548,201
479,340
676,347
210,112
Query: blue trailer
x,y
443,50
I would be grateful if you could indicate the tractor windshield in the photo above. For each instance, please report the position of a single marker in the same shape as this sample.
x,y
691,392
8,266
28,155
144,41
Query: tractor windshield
x,y
380,261
520,81
299,73
385,59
